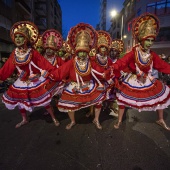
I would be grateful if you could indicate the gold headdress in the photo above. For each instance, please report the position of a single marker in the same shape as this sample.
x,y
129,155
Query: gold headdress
x,y
104,39
146,25
52,39
39,42
66,47
117,44
82,41
26,28
82,37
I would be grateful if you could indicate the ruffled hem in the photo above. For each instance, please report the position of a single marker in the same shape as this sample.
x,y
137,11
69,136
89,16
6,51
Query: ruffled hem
x,y
29,106
72,108
152,105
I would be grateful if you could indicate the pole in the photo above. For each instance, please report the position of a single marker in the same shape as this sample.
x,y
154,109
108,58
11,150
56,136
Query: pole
x,y
122,28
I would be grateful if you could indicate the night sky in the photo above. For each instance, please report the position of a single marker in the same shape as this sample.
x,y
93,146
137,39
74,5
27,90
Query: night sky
x,y
87,11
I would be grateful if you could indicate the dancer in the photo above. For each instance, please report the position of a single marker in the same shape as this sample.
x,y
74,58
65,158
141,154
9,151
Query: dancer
x,y
103,61
140,90
64,52
84,88
116,48
52,41
32,88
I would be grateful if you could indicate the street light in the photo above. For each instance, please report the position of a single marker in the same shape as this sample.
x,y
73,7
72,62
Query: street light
x,y
113,13
125,36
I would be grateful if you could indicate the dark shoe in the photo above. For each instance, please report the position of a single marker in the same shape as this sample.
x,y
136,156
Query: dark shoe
x,y
70,125
21,123
117,125
163,124
97,124
56,122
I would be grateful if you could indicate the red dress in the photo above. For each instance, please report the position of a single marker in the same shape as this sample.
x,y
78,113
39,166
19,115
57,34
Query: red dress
x,y
102,66
56,61
83,88
139,89
33,88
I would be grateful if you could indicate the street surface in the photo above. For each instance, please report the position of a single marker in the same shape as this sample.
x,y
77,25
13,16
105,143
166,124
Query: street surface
x,y
140,144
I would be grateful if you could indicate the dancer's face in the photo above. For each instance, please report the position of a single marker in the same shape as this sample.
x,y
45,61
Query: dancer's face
x,y
114,53
19,40
40,49
147,43
103,50
49,52
82,54
61,53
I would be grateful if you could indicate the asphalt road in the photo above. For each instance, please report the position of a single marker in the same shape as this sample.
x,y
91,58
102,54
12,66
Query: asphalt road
x,y
139,144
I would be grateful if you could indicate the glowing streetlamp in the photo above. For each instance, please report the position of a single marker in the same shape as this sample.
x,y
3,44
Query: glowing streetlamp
x,y
125,36
113,13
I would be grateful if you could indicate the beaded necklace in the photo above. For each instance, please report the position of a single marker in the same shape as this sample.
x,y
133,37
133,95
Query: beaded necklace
x,y
82,68
143,59
22,57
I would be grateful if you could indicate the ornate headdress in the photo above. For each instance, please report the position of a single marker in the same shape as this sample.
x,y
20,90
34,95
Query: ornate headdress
x,y
117,44
39,42
66,49
52,39
146,25
82,37
26,28
104,39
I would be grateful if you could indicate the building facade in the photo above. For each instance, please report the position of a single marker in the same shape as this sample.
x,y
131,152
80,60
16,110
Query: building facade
x,y
45,14
103,8
134,8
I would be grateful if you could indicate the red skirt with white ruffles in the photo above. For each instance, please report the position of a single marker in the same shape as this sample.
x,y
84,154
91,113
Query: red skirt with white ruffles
x,y
74,98
28,95
143,96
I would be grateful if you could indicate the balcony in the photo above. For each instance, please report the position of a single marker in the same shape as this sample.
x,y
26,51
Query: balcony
x,y
24,6
4,9
5,35
41,23
40,9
